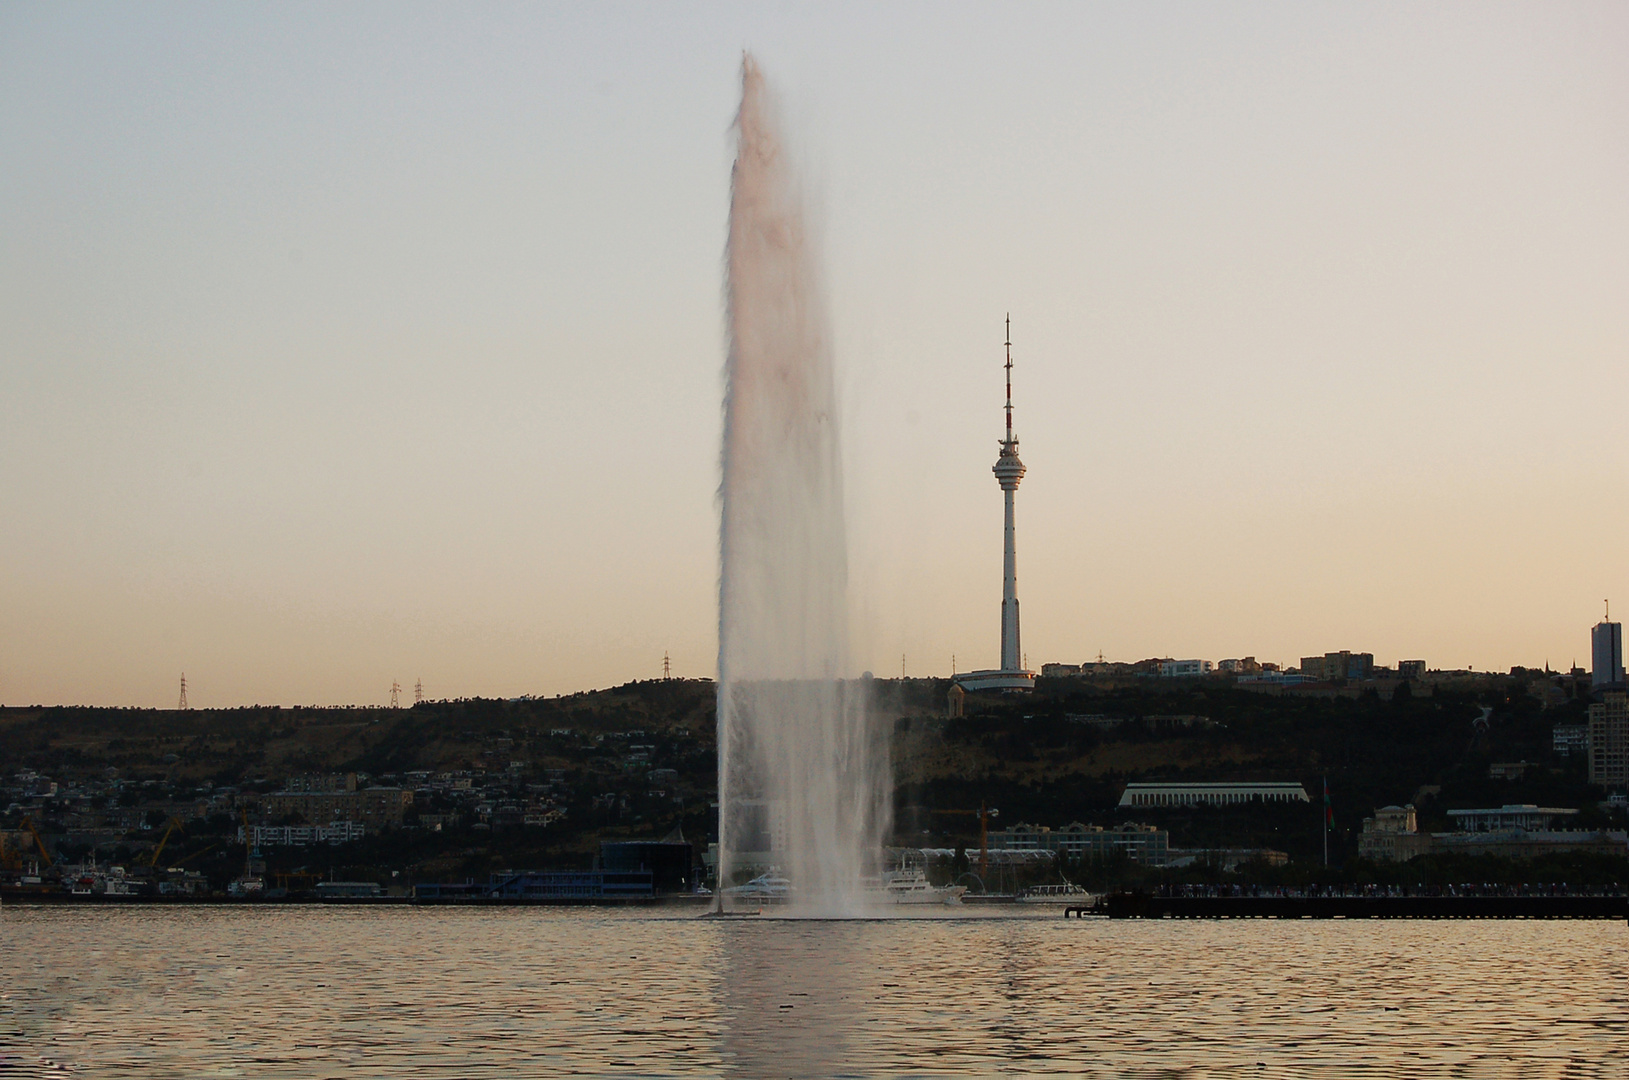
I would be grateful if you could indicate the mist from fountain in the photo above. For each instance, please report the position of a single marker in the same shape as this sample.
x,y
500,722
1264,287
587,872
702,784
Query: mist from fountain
x,y
803,766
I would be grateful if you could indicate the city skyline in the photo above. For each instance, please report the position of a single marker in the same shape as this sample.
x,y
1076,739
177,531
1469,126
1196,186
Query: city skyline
x,y
323,368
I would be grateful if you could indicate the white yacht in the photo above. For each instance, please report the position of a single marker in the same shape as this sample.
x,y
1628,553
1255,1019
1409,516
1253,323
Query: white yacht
x,y
909,885
768,888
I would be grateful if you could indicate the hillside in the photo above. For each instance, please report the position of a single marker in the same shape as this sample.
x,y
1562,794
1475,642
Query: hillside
x,y
541,781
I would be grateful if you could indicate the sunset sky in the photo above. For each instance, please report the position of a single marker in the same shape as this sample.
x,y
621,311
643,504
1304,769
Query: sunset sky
x,y
343,344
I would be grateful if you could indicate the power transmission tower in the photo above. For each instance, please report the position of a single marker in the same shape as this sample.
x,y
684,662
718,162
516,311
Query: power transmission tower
x,y
418,692
183,705
667,668
395,694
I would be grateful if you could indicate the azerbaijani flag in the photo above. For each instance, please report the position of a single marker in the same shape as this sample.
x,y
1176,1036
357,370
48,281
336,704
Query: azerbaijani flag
x,y
1329,807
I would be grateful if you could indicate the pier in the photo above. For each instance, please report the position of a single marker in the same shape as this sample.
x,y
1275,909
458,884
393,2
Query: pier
x,y
1336,906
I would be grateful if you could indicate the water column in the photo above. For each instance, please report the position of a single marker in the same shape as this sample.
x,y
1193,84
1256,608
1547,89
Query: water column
x,y
803,767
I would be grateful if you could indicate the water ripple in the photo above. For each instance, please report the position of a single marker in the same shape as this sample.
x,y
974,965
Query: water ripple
x,y
438,993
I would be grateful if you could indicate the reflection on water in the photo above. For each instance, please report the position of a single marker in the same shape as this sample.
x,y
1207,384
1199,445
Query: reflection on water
x,y
790,993
317,992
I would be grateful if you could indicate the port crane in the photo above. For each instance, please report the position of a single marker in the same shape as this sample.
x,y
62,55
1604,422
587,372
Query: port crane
x,y
12,858
984,814
195,854
28,823
174,824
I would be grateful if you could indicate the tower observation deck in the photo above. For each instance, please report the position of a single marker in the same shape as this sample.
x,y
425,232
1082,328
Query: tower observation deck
x,y
1009,470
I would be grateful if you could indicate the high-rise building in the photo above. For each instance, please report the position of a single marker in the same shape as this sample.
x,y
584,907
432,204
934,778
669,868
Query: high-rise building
x,y
1009,470
1606,646
1609,741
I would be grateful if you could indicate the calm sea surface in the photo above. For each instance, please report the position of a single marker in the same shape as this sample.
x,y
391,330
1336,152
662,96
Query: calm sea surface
x,y
399,992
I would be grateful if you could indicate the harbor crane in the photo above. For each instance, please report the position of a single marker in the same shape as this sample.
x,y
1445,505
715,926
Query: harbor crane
x,y
195,854
12,858
174,824
984,814
28,823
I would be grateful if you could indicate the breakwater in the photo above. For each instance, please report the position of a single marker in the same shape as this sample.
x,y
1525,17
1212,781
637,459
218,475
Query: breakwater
x,y
1382,906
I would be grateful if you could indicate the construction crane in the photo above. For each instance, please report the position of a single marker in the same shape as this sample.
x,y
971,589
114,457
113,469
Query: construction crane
x,y
195,854
27,823
984,814
174,824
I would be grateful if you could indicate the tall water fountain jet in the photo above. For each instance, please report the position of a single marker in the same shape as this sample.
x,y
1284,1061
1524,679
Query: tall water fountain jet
x,y
803,769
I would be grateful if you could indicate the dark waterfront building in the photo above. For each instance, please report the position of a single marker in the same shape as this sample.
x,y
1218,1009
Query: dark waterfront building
x,y
671,863
545,885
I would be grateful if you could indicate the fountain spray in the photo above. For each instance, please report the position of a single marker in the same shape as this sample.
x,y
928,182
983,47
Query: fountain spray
x,y
802,768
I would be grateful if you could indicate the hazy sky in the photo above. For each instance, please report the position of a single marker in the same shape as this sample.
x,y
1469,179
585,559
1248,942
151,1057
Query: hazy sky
x,y
343,343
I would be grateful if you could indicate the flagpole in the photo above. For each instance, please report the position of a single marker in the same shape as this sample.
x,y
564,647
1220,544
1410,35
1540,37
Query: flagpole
x,y
1326,822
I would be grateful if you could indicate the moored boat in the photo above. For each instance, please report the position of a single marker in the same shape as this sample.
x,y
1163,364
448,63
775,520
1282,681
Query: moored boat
x,y
909,885
1066,893
770,888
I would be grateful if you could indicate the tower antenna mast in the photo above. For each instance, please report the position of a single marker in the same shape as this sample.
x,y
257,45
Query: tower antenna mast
x,y
183,704
1009,378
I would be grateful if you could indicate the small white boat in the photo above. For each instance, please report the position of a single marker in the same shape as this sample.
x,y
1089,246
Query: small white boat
x,y
246,886
765,888
1067,893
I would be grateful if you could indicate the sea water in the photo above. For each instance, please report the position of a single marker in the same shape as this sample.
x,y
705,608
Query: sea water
x,y
311,991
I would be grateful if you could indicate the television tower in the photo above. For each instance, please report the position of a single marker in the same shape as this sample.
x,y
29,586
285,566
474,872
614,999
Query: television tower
x,y
418,692
1008,472
395,694
667,668
183,706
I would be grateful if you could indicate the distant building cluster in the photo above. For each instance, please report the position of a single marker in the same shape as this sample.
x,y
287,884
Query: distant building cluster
x,y
1141,844
1330,668
1512,832
322,800
1344,672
